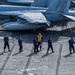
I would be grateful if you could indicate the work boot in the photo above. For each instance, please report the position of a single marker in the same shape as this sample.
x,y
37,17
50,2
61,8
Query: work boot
x,y
3,52
73,51
70,52
47,52
52,51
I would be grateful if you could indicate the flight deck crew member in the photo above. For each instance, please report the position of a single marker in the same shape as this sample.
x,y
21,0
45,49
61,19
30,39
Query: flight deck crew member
x,y
50,45
35,44
20,44
40,39
6,43
71,45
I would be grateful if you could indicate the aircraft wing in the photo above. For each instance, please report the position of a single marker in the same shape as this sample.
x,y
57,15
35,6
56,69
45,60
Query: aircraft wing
x,y
10,12
70,17
34,17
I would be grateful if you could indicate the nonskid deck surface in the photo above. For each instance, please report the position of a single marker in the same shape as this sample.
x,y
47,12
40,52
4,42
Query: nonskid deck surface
x,y
27,63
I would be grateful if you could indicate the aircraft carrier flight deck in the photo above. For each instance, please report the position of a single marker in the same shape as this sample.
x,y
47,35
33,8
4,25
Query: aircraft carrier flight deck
x,y
61,62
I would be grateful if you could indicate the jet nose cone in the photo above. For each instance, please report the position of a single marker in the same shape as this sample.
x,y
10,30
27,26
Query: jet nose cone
x,y
10,26
7,27
14,26
9,23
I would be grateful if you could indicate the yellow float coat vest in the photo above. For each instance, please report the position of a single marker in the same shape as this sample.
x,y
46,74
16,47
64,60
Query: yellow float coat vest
x,y
39,38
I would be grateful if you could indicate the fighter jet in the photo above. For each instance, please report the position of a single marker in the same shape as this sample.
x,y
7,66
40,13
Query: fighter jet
x,y
41,19
33,7
36,5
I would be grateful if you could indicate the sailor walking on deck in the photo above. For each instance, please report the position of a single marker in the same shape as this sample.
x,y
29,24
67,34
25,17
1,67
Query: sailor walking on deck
x,y
6,43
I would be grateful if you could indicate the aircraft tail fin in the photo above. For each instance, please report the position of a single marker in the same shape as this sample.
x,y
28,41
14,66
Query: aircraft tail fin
x,y
59,6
